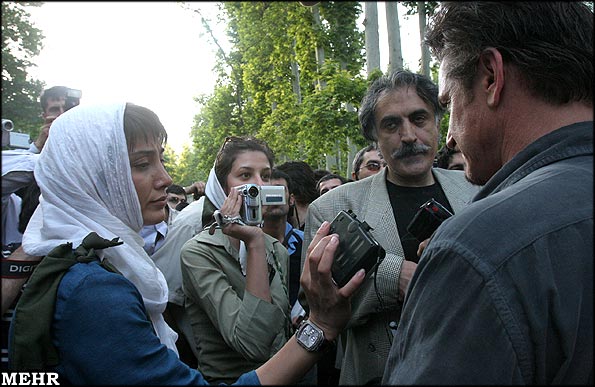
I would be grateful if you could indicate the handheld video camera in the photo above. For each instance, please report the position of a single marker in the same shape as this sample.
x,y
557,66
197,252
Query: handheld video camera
x,y
73,98
13,139
256,196
357,248
427,219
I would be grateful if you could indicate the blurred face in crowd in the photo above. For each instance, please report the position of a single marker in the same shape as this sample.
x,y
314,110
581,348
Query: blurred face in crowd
x,y
372,163
174,199
328,185
407,136
281,210
457,161
150,180
249,167
477,138
55,107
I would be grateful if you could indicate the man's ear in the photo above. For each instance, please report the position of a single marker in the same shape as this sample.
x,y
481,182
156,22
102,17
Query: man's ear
x,y
491,71
291,200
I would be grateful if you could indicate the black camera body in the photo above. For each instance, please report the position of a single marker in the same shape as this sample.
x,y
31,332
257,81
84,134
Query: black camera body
x,y
429,216
357,248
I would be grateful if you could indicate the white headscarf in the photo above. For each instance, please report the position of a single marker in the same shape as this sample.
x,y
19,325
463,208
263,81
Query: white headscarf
x,y
216,195
86,184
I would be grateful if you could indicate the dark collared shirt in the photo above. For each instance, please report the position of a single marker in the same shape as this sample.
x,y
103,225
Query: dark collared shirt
x,y
503,294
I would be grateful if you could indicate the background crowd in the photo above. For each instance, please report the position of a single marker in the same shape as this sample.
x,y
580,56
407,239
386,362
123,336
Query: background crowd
x,y
167,284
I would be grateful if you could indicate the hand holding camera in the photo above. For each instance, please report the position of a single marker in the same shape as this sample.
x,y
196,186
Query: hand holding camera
x,y
243,206
357,248
254,197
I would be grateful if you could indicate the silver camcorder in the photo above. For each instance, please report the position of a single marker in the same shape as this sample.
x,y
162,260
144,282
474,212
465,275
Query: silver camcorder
x,y
13,139
256,196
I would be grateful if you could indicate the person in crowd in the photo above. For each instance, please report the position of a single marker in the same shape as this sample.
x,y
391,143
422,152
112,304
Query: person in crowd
x,y
510,277
236,282
175,195
54,101
94,313
17,174
17,177
276,225
450,159
304,181
368,161
318,173
401,113
329,182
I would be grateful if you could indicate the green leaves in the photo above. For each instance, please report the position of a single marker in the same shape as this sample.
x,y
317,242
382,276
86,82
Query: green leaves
x,y
21,41
270,90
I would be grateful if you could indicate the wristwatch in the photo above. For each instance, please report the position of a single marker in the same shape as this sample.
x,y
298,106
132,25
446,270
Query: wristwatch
x,y
311,337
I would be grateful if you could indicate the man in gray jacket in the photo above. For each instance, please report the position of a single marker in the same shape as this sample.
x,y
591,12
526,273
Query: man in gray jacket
x,y
401,113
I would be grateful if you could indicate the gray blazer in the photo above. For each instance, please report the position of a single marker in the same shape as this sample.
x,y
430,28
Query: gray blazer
x,y
368,337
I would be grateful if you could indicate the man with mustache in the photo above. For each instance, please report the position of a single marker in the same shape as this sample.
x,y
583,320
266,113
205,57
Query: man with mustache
x,y
400,113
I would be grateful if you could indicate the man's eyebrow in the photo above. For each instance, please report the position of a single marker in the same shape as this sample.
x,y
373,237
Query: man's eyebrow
x,y
390,118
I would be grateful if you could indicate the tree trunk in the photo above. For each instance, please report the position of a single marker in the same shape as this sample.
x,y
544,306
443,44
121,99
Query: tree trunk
x,y
296,76
425,51
395,56
371,36
319,48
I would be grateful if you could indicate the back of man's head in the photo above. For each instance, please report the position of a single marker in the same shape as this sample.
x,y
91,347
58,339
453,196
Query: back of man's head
x,y
550,44
302,177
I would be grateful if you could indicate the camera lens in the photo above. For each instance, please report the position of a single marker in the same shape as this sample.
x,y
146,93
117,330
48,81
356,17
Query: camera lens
x,y
253,191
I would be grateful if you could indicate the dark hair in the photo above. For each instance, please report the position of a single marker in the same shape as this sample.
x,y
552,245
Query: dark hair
x,y
175,189
234,145
142,124
318,173
52,92
359,157
329,176
276,173
444,156
424,87
30,199
549,43
302,177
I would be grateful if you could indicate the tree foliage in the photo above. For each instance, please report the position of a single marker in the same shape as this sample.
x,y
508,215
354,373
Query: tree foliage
x,y
21,41
255,93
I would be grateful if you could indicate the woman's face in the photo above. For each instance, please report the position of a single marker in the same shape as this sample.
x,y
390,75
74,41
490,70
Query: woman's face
x,y
150,180
249,167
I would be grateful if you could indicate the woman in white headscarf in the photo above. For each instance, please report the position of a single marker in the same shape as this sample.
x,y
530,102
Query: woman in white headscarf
x,y
101,177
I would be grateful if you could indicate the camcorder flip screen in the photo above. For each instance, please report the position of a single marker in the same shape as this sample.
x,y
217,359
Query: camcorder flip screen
x,y
357,248
430,215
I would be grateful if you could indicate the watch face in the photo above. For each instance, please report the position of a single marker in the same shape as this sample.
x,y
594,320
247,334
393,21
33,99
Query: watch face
x,y
310,336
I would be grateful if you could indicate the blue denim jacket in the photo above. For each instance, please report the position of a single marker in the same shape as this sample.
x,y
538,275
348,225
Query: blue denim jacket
x,y
104,336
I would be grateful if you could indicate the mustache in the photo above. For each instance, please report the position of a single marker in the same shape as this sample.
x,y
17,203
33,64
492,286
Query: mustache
x,y
410,150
